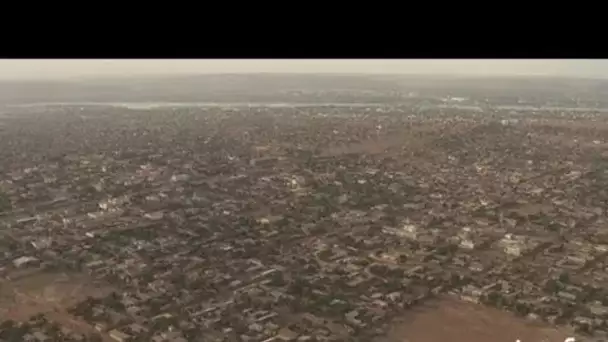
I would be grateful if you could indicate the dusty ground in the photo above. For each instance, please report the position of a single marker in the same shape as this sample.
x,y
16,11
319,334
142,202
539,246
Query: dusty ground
x,y
457,321
414,140
51,294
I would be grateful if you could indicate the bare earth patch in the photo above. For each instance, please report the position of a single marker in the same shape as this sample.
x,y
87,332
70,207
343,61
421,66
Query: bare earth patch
x,y
455,321
50,294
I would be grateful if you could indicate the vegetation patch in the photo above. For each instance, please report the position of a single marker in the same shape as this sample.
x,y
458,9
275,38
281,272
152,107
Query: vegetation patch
x,y
5,202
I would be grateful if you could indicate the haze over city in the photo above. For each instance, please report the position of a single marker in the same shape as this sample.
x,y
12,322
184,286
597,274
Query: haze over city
x,y
62,68
303,200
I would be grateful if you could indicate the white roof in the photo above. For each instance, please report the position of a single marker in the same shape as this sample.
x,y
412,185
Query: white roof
x,y
23,260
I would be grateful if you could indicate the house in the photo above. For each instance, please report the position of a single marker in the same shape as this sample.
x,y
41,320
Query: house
x,y
286,334
24,260
119,336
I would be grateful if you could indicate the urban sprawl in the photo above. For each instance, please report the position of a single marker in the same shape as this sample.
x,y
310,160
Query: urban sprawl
x,y
307,223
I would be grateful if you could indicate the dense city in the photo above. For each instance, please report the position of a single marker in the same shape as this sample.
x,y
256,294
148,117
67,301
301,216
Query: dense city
x,y
302,223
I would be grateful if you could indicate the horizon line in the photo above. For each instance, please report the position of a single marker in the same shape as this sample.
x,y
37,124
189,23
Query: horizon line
x,y
94,77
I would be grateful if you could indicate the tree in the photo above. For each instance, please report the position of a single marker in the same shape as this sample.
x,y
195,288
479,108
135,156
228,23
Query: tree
x,y
564,278
495,299
7,325
567,312
298,288
379,270
17,332
522,309
5,202
583,328
552,286
277,280
95,338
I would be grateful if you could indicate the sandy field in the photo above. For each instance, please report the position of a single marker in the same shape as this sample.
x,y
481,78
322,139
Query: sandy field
x,y
453,320
50,294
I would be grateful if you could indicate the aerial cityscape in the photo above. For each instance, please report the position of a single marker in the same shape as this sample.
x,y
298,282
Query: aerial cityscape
x,y
304,208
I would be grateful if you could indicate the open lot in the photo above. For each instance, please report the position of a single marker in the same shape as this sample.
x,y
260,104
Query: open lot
x,y
450,319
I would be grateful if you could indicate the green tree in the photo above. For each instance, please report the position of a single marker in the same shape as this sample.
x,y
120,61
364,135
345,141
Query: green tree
x,y
494,299
95,338
522,309
564,278
7,325
583,329
5,202
552,286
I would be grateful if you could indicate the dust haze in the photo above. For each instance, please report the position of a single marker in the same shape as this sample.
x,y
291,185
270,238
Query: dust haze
x,y
303,200
57,69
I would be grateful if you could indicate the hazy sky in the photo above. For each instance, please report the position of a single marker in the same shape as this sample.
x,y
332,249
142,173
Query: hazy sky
x,y
62,68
